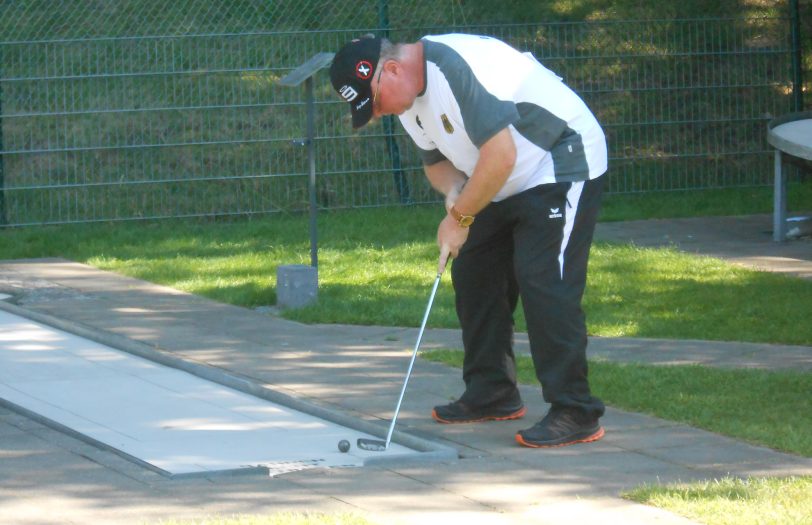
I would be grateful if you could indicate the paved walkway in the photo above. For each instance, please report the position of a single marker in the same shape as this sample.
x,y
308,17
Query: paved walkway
x,y
49,477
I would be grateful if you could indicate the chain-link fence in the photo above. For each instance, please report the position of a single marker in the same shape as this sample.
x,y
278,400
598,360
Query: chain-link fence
x,y
148,109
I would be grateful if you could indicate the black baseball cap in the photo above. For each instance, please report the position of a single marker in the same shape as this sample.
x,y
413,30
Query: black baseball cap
x,y
351,75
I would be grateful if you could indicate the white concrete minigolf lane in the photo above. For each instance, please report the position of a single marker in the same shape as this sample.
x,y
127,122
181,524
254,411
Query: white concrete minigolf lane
x,y
168,418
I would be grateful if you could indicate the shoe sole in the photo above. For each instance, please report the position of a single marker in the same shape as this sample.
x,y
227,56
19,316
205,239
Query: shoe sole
x,y
515,415
589,439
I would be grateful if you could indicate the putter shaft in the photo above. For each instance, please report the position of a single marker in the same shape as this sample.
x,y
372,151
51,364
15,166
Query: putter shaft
x,y
411,363
377,445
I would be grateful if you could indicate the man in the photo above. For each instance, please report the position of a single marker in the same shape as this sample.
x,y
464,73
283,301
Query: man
x,y
519,157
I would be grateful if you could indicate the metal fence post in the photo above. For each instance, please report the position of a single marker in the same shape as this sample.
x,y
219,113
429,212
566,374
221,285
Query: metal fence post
x,y
401,183
311,162
797,68
3,219
305,73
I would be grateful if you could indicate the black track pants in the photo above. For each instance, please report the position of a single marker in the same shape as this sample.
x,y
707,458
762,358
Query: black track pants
x,y
534,244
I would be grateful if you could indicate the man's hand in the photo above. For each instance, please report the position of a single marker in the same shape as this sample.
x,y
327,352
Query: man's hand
x,y
450,238
497,158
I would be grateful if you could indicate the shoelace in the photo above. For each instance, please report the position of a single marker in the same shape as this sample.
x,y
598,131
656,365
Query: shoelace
x,y
559,419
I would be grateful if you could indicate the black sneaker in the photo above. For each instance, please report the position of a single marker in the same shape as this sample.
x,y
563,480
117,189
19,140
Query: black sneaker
x,y
560,427
460,412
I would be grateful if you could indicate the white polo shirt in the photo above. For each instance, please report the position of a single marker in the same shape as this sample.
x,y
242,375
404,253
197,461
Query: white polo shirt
x,y
476,86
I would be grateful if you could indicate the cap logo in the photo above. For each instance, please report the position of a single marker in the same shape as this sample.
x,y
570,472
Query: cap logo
x,y
361,104
364,70
348,93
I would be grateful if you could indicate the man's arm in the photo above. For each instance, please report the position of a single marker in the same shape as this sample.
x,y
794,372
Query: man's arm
x,y
446,179
496,160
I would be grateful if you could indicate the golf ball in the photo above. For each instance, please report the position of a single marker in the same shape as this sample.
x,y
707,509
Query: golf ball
x,y
343,445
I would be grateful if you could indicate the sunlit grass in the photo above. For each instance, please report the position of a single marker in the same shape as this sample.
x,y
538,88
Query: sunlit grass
x,y
376,266
677,204
642,292
733,501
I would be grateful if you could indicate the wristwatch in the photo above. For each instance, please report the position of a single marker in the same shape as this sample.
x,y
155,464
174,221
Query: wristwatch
x,y
463,220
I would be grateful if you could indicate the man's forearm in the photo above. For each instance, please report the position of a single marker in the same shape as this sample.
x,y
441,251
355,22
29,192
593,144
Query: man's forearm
x,y
444,177
496,160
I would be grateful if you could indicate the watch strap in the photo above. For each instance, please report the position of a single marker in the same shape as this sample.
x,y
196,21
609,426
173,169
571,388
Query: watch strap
x,y
463,220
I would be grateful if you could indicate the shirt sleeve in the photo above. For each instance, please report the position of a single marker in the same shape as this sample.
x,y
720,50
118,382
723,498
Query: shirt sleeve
x,y
482,112
426,148
432,156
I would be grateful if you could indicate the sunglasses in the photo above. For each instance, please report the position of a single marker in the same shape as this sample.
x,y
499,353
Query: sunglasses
x,y
377,89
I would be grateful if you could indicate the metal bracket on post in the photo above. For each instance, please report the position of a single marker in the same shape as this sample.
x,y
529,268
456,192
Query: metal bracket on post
x,y
304,288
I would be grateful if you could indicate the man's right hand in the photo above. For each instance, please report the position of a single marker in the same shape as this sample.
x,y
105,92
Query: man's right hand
x,y
450,238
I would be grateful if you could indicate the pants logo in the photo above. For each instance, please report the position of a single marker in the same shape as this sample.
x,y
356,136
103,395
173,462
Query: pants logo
x,y
555,213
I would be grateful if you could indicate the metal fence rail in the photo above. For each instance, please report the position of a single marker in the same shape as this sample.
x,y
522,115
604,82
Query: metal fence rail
x,y
116,111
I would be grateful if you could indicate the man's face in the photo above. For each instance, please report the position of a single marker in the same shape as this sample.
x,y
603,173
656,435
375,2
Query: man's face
x,y
389,96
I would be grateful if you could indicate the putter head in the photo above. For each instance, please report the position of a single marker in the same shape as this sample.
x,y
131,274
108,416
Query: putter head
x,y
372,445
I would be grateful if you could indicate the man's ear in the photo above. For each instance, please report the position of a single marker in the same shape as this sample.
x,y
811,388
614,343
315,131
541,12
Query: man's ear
x,y
392,67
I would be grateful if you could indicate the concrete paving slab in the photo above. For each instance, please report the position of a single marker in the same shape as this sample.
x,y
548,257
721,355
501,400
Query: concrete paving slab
x,y
71,489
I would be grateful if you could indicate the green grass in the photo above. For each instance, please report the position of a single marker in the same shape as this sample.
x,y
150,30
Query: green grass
x,y
376,267
769,408
706,203
732,501
282,518
640,292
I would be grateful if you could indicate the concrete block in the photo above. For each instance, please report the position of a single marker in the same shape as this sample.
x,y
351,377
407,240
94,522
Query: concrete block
x,y
297,285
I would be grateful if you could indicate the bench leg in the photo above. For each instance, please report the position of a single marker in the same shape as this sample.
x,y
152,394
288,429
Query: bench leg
x,y
779,200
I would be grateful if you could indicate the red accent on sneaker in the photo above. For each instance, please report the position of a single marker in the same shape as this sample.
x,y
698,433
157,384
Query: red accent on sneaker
x,y
515,415
594,437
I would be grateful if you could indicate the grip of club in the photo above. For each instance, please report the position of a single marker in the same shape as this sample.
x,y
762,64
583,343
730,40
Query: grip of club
x,y
414,355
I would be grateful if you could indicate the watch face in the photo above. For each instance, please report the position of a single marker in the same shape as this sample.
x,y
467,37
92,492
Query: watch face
x,y
463,220
466,220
